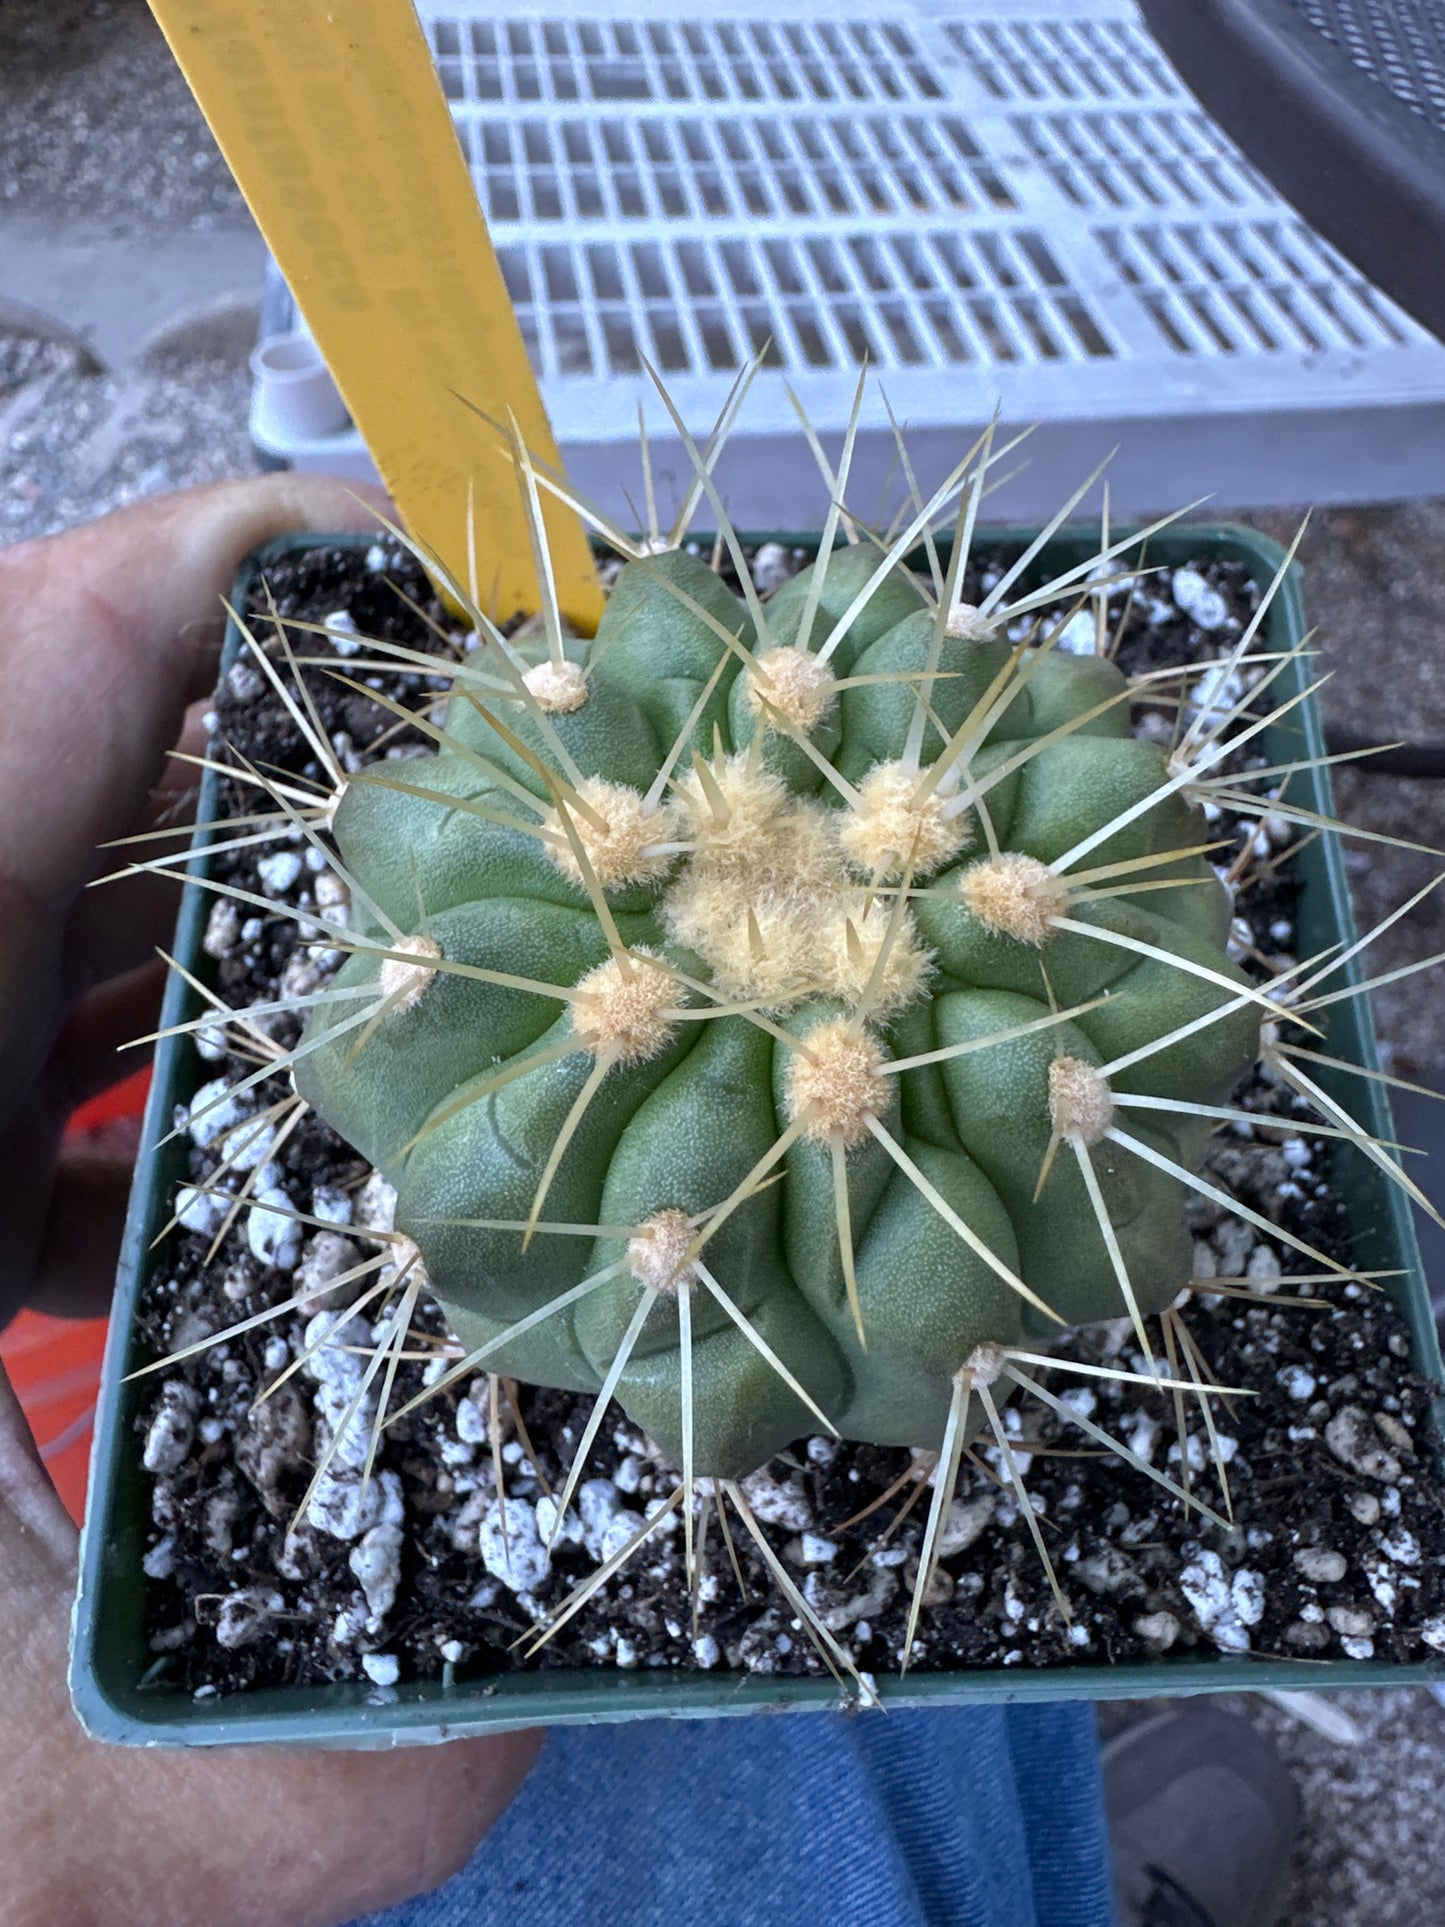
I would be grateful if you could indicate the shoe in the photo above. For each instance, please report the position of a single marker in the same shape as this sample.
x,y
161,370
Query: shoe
x,y
1203,1816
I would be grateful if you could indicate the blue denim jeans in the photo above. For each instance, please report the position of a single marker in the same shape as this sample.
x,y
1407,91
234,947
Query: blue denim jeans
x,y
961,1817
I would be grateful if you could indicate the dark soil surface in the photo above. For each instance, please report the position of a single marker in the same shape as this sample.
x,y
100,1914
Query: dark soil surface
x,y
1337,1546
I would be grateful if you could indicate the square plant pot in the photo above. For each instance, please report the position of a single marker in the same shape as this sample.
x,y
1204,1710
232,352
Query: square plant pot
x,y
122,1696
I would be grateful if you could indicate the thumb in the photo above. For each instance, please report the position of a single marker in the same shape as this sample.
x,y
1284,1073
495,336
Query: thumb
x,y
202,1837
106,633
37,1540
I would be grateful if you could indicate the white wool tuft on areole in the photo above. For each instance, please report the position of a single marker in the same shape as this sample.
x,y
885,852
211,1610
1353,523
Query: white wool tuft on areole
x,y
790,686
618,1008
404,981
1081,1105
891,827
1015,895
657,1251
840,1081
617,831
560,688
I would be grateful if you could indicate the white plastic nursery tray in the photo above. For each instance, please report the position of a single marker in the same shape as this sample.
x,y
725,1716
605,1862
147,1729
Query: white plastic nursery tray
x,y
989,200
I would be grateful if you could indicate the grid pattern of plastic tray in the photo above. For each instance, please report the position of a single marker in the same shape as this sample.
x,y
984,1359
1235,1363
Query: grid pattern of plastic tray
x,y
1398,43
991,201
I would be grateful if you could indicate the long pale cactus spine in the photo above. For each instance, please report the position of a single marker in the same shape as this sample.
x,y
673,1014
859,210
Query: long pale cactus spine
x,y
781,1011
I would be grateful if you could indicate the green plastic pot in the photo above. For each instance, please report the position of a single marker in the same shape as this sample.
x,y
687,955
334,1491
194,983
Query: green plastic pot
x,y
117,1689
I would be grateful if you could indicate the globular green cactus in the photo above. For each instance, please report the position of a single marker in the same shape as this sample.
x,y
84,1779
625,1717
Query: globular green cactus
x,y
761,983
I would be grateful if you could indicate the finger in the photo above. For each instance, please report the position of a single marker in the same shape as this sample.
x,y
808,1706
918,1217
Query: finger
x,y
106,633
46,1539
393,1826
116,927
92,1053
171,804
74,1272
122,921
196,1835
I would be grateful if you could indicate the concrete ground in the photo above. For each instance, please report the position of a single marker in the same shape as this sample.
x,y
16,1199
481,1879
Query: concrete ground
x,y
129,288
1374,585
130,270
1375,590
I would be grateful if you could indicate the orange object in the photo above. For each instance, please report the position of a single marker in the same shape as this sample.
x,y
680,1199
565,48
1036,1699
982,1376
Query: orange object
x,y
54,1363
126,1099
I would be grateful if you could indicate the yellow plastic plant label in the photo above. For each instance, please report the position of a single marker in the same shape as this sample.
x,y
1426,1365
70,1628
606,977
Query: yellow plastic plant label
x,y
331,117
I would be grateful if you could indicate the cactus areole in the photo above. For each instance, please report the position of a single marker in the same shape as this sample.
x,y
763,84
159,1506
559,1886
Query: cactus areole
x,y
758,1001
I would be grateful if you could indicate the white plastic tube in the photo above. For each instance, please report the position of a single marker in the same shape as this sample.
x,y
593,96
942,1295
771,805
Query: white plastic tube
x,y
295,398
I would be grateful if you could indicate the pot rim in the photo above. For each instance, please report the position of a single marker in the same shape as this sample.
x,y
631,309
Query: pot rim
x,y
113,1678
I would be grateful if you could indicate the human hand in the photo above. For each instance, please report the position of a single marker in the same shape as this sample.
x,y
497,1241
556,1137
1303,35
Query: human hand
x,y
106,635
